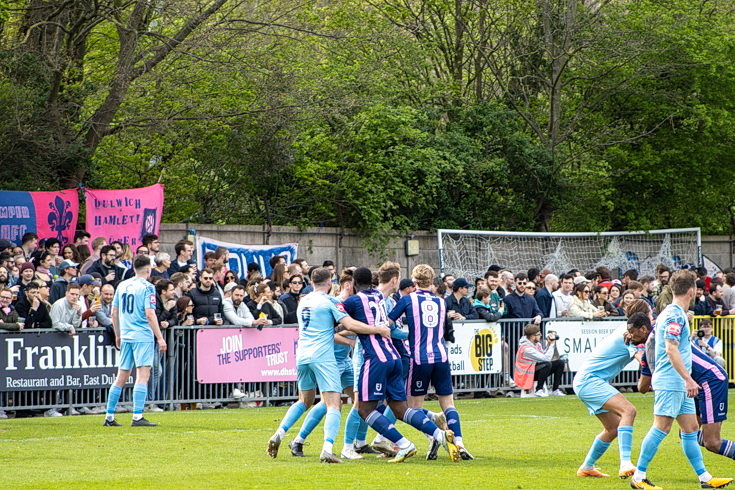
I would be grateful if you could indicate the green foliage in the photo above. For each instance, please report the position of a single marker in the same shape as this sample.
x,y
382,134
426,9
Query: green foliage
x,y
382,116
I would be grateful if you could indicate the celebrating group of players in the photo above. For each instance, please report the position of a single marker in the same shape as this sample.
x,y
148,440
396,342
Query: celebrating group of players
x,y
685,380
367,323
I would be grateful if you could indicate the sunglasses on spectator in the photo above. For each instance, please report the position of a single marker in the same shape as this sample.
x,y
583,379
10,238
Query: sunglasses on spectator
x,y
530,287
586,291
296,282
602,292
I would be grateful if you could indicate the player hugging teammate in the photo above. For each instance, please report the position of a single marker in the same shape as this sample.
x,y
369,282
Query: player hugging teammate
x,y
380,385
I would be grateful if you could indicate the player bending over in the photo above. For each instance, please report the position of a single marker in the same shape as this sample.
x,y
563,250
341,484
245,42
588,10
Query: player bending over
x,y
614,411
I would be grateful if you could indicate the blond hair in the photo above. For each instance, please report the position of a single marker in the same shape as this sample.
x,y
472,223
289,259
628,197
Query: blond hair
x,y
423,275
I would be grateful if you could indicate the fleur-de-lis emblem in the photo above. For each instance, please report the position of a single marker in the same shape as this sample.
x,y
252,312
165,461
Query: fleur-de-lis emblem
x,y
60,218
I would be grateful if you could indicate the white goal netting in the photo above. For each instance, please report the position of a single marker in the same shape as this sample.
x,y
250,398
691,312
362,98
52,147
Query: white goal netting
x,y
469,253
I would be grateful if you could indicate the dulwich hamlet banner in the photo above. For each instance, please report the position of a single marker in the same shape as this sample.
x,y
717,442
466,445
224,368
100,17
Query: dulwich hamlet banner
x,y
47,214
125,215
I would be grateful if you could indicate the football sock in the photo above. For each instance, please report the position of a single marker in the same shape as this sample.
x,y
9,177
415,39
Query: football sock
x,y
383,426
727,449
331,426
693,453
597,449
418,420
351,425
453,421
293,414
362,431
140,393
649,447
315,415
625,442
112,398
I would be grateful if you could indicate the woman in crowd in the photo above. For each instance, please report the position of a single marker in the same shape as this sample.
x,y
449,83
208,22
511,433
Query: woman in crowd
x,y
264,304
184,311
616,291
70,252
163,262
230,277
43,268
53,247
279,274
601,296
84,253
626,301
580,307
531,288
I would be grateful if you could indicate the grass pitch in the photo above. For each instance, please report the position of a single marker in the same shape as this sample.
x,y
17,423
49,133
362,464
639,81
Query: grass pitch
x,y
518,444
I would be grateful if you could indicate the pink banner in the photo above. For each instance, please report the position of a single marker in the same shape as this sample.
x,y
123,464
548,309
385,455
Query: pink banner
x,y
125,215
56,214
232,355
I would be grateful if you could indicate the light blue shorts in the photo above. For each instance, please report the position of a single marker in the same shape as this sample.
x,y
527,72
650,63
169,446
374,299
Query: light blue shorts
x,y
325,375
136,354
347,373
594,392
672,403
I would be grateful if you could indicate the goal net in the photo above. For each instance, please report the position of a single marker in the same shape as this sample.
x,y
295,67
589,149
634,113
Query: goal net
x,y
468,254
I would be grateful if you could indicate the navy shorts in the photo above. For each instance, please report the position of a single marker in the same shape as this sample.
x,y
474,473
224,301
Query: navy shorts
x,y
420,375
712,402
380,380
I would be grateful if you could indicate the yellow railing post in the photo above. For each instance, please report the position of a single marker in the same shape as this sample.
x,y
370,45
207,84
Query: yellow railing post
x,y
723,327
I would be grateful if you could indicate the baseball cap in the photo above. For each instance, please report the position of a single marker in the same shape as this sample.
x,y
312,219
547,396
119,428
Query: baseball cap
x,y
580,279
6,244
230,286
460,282
405,283
88,279
65,264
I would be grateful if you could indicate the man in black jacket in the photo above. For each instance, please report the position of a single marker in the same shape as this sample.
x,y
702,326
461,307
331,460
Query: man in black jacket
x,y
207,300
32,309
69,271
105,266
458,305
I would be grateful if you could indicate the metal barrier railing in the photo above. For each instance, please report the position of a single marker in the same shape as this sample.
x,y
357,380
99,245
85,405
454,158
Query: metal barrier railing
x,y
174,381
723,327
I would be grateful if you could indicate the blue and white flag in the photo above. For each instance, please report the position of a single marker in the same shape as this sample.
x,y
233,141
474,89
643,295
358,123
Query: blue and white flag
x,y
242,255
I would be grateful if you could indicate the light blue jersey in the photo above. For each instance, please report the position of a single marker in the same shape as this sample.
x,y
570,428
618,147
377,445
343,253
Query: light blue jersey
x,y
671,324
341,351
609,358
132,298
317,314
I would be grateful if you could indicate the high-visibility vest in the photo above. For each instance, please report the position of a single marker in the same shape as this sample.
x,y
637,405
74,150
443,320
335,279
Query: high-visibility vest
x,y
524,369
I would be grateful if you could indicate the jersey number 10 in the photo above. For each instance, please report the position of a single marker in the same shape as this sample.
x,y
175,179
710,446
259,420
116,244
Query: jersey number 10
x,y
127,303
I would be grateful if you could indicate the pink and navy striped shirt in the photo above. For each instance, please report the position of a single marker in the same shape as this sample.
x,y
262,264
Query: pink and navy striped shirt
x,y
425,315
369,307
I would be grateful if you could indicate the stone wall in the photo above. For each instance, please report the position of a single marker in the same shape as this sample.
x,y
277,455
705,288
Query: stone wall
x,y
346,248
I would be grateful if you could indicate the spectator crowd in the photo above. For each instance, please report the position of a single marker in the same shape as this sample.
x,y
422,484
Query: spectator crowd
x,y
46,285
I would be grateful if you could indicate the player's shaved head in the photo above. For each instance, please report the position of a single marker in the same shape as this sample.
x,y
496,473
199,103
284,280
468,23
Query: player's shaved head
x,y
638,321
321,276
363,278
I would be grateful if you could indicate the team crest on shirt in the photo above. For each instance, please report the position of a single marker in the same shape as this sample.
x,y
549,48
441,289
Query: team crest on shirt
x,y
341,307
419,384
674,328
378,386
153,299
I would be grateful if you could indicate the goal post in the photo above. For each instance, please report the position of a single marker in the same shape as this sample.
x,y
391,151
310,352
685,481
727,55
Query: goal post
x,y
469,253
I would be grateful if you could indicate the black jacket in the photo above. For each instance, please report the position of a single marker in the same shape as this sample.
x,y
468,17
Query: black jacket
x,y
163,314
103,270
463,307
40,318
487,315
58,290
206,303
